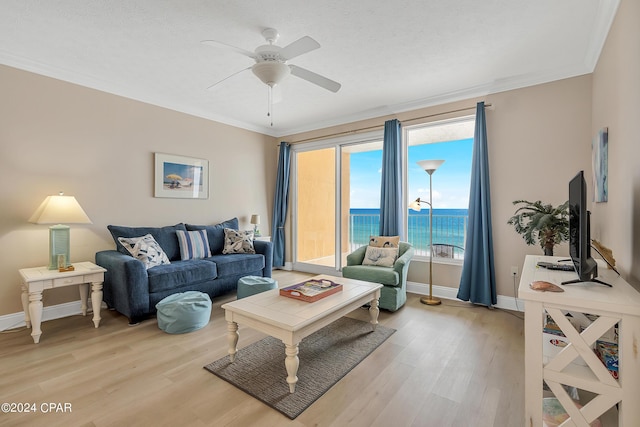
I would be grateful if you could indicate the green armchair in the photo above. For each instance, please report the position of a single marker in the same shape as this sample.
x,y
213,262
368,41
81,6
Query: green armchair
x,y
393,294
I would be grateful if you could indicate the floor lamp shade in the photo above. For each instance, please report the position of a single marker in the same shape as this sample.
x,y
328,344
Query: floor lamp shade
x,y
58,210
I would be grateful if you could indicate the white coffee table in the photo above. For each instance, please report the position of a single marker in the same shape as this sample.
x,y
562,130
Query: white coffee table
x,y
291,320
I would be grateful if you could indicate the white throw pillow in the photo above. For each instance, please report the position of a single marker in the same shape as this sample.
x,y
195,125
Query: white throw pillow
x,y
238,242
146,249
383,257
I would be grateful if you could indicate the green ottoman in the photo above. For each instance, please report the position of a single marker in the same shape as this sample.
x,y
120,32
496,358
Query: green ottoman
x,y
184,312
251,285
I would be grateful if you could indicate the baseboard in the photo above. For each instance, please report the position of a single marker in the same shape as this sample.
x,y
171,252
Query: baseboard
x,y
444,292
16,320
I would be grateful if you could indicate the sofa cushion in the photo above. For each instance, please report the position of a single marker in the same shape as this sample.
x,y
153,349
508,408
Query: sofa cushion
x,y
234,264
146,249
215,233
372,273
193,244
165,236
238,242
180,273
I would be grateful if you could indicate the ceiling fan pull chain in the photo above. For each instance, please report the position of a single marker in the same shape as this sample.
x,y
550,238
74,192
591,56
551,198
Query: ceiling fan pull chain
x,y
270,110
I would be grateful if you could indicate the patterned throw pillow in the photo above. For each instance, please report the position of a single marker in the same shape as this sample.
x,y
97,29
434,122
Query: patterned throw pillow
x,y
384,241
193,244
238,242
146,249
383,257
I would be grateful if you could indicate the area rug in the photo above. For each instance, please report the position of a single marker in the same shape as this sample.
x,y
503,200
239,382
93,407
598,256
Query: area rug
x,y
325,357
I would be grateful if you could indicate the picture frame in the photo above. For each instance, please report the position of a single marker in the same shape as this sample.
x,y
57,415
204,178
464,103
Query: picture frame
x,y
181,177
600,165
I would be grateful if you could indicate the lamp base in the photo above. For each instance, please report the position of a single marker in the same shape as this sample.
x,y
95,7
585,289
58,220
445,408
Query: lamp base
x,y
430,301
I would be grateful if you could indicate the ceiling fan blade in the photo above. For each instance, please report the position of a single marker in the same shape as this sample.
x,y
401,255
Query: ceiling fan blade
x,y
228,77
239,50
314,78
298,47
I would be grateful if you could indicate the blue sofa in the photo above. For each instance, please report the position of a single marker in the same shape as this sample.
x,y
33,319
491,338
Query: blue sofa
x,y
133,290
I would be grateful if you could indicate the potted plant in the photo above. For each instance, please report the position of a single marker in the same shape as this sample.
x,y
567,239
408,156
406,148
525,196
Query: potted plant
x,y
543,223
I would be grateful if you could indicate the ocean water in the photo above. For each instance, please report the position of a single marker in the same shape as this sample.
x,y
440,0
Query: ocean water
x,y
449,227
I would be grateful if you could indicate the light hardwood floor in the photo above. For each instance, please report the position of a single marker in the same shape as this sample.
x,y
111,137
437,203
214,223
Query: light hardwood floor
x,y
448,365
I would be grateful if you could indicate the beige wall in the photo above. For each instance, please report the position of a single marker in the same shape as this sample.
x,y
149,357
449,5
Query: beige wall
x,y
539,137
98,147
616,105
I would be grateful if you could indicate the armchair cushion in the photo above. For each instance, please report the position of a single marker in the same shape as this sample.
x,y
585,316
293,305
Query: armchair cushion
x,y
384,241
384,257
372,273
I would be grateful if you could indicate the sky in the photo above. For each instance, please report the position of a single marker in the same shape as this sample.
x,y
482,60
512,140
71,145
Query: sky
x,y
450,182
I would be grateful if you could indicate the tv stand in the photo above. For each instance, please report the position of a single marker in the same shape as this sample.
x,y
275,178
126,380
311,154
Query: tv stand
x,y
568,282
619,305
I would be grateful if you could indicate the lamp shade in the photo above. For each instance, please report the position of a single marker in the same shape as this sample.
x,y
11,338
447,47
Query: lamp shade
x,y
415,205
430,166
60,210
255,219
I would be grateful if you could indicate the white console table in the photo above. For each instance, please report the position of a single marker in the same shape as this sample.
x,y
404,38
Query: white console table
x,y
620,305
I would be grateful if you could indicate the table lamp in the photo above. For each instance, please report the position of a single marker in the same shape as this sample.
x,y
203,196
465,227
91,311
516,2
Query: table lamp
x,y
57,210
429,167
255,220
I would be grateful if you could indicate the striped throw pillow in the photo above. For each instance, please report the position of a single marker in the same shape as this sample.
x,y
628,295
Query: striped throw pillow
x,y
193,244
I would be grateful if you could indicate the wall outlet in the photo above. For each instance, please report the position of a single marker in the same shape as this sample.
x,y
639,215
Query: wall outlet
x,y
514,270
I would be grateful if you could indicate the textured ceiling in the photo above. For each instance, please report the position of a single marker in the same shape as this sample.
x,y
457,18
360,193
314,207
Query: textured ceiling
x,y
388,56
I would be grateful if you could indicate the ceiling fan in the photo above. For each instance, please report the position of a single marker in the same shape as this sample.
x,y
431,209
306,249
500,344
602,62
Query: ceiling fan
x,y
271,61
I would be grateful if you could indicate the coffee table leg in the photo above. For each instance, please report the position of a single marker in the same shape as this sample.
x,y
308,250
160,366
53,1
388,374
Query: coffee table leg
x,y
292,362
374,311
232,338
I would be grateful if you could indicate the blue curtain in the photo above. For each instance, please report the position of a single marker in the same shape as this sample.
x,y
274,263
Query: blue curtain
x,y
478,281
280,204
391,184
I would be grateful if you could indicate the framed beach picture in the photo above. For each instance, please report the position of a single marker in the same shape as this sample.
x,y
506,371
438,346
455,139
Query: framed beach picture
x,y
600,165
181,177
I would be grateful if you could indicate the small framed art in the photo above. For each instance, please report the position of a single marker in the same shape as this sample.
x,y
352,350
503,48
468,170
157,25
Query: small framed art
x,y
600,163
181,177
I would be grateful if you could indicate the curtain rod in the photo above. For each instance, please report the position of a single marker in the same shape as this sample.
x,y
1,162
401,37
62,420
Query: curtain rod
x,y
382,126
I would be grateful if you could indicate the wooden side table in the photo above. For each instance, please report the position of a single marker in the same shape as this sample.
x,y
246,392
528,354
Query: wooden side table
x,y
36,280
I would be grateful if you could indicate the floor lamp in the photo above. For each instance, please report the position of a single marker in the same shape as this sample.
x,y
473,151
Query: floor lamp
x,y
429,167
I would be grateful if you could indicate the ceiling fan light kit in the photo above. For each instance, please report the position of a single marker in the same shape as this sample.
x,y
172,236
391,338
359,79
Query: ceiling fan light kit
x,y
271,73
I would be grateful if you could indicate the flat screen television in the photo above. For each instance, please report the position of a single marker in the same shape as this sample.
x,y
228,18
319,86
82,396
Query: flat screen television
x,y
580,233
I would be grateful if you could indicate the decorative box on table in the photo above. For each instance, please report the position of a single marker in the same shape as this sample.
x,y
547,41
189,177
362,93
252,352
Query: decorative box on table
x,y
311,290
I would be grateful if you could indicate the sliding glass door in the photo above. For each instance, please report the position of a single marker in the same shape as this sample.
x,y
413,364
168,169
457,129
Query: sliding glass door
x,y
336,192
315,208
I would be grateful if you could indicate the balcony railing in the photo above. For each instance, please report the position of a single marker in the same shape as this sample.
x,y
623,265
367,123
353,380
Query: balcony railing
x,y
449,232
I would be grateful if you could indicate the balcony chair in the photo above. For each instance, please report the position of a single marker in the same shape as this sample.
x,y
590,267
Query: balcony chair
x,y
393,294
445,250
